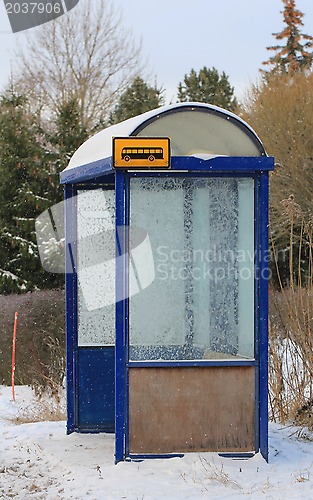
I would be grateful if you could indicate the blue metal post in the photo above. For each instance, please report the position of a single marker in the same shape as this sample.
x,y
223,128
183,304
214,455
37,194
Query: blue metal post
x,y
70,290
120,327
263,318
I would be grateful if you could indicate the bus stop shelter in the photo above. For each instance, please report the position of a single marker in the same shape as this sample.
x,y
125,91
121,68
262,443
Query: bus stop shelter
x,y
167,284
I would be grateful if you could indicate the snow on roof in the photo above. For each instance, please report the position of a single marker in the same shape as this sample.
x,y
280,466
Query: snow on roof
x,y
99,146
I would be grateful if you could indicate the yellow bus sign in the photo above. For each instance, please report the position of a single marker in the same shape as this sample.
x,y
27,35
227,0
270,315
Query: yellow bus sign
x,y
141,152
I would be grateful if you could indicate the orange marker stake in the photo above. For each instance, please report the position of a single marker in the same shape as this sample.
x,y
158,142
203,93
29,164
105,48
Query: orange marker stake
x,y
13,353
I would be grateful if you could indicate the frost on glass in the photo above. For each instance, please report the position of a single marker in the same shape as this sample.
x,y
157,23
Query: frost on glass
x,y
201,302
96,267
157,313
246,268
216,296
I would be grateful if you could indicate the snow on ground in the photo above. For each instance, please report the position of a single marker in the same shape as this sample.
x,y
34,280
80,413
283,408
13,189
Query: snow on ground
x,y
39,461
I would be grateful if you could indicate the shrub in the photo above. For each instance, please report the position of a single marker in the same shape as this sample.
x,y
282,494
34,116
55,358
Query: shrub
x,y
40,347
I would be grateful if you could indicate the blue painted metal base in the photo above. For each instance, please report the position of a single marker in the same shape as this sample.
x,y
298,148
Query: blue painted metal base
x,y
96,389
237,456
140,458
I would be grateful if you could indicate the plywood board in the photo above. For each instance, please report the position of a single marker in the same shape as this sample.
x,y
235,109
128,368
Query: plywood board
x,y
191,409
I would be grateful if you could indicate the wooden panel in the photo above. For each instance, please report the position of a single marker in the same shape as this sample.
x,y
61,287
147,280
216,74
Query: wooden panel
x,y
191,409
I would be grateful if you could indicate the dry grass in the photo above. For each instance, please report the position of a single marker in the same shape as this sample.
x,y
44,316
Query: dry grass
x,y
46,408
43,415
218,474
291,327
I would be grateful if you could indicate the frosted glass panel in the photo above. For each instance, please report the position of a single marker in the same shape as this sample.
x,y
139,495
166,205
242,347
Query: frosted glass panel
x,y
246,267
199,132
201,302
166,295
216,295
96,267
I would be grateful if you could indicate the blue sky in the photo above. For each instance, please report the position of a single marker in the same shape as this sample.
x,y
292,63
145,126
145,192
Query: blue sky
x,y
178,35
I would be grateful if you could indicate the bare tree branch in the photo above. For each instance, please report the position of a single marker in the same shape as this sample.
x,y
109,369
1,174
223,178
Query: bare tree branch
x,y
87,54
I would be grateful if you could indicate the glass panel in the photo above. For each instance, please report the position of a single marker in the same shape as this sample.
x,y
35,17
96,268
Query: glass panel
x,y
216,321
201,302
197,132
157,318
96,267
246,267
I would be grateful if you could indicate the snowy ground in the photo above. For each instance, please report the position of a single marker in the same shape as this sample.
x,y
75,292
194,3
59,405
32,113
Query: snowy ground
x,y
38,460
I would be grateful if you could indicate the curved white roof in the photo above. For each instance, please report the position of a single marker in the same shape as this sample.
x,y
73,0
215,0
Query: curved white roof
x,y
209,130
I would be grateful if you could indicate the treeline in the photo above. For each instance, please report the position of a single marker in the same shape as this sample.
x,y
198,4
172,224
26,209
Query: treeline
x,y
82,73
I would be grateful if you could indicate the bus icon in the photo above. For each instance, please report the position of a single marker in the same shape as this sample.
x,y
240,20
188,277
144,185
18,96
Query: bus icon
x,y
142,154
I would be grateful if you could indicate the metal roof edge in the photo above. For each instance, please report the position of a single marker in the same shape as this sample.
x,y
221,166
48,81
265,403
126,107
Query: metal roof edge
x,y
229,164
224,163
89,171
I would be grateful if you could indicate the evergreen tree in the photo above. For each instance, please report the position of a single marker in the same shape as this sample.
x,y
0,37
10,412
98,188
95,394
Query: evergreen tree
x,y
24,194
294,56
207,86
68,133
138,98
66,137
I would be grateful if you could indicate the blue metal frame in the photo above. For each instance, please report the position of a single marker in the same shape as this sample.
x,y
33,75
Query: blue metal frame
x,y
71,294
193,167
74,353
263,314
182,363
140,457
86,172
232,165
92,175
238,456
120,375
